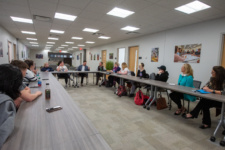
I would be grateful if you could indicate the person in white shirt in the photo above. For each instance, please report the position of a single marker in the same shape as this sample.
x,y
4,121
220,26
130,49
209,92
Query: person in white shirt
x,y
124,71
63,68
30,76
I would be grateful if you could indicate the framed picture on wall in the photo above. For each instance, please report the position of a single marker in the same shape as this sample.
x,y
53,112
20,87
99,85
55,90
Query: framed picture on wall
x,y
77,57
97,56
39,56
187,53
94,56
110,55
155,55
1,49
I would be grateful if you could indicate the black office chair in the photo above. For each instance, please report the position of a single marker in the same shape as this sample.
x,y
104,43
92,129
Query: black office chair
x,y
196,84
129,83
86,76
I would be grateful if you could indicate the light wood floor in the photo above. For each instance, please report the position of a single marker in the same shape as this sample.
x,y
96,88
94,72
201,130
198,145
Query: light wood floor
x,y
126,126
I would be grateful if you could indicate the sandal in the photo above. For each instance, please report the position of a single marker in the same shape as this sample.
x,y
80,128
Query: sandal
x,y
178,112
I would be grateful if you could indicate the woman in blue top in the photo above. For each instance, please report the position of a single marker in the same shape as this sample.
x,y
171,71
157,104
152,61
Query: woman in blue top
x,y
185,79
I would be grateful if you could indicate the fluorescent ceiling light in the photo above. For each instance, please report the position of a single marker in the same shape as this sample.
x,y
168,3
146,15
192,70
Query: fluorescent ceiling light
x,y
192,7
61,47
51,38
69,42
118,12
80,45
64,45
104,37
33,39
50,42
77,38
46,50
35,45
24,20
64,51
90,42
90,30
57,31
65,16
28,32
74,47
34,42
49,45
130,28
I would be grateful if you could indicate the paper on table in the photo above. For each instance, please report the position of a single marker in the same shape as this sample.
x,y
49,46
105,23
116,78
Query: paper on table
x,y
172,84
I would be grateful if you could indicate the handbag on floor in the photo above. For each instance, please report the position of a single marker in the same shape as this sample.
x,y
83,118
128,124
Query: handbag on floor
x,y
121,91
161,102
139,98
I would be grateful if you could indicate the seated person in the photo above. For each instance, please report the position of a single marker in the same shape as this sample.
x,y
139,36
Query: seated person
x,y
83,67
63,68
111,78
215,85
46,68
100,68
141,73
24,90
185,79
10,81
162,75
123,71
30,75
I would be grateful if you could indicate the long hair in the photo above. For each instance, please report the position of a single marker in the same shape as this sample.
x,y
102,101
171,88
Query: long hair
x,y
10,80
124,65
60,62
217,81
188,70
29,63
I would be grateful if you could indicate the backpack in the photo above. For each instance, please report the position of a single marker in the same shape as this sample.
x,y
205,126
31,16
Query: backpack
x,y
139,98
121,91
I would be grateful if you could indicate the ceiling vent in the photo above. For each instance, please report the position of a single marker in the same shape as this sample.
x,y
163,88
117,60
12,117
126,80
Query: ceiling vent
x,y
98,34
53,35
42,18
132,32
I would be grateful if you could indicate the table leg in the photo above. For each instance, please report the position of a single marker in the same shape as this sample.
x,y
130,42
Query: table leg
x,y
154,98
93,78
221,123
150,97
77,85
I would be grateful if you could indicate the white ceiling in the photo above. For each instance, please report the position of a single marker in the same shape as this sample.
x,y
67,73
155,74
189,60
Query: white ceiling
x,y
150,16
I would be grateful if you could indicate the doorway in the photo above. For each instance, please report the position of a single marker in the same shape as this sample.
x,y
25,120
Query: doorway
x,y
133,58
121,55
10,52
15,54
81,58
104,52
223,53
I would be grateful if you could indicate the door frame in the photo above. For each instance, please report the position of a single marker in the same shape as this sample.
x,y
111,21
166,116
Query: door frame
x,y
102,57
222,53
15,51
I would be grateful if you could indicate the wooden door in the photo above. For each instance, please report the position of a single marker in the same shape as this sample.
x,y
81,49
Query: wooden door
x,y
10,53
223,55
15,54
133,59
81,58
104,54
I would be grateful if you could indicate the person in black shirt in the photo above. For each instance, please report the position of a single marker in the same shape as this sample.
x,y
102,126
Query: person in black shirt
x,y
162,75
46,68
142,74
100,68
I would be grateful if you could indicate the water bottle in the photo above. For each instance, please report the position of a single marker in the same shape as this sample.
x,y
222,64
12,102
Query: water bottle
x,y
47,92
39,82
140,75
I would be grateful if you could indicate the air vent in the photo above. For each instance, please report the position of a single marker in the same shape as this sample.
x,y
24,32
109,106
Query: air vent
x,y
53,35
42,18
98,34
132,33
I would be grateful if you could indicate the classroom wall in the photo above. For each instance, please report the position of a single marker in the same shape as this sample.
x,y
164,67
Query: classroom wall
x,y
209,34
5,36
76,62
39,62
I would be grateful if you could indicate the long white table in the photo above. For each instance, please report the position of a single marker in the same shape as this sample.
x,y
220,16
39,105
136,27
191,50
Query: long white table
x,y
66,129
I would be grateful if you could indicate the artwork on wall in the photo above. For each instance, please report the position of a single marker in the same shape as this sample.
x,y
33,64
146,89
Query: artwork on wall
x,y
187,53
94,56
39,56
77,57
110,55
155,55
97,56
91,56
1,49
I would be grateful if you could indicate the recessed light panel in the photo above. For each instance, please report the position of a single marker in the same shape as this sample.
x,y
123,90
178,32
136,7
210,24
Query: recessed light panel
x,y
64,45
24,20
77,38
57,31
119,12
28,32
90,42
69,42
32,39
104,37
51,38
130,28
80,45
51,42
192,7
65,16
90,30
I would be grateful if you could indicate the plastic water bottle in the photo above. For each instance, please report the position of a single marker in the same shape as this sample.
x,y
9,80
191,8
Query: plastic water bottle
x,y
47,92
39,82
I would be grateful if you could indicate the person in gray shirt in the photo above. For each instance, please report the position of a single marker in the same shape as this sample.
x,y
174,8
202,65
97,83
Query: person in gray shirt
x,y
9,90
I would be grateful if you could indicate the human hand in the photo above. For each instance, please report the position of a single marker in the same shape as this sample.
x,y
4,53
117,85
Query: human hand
x,y
207,89
39,93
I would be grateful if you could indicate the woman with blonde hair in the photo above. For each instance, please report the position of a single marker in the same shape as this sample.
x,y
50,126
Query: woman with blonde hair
x,y
185,79
124,69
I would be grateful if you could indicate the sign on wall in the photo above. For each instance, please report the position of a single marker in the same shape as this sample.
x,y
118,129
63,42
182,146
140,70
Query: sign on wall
x,y
187,53
110,55
155,55
39,56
